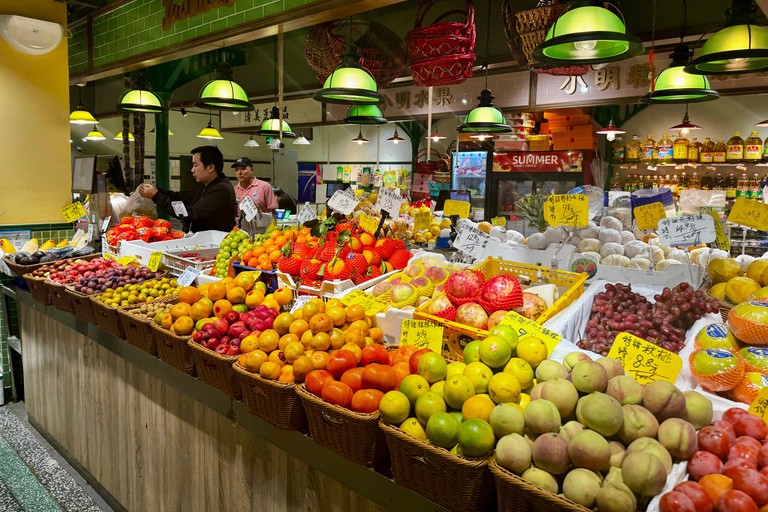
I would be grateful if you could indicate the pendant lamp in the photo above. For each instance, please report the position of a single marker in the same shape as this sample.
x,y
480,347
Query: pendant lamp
x,y
360,139
350,83
209,132
481,136
676,85
686,126
274,144
395,138
302,140
739,47
610,131
762,124
251,143
170,133
587,33
95,134
119,136
140,100
435,136
223,93
80,115
271,127
364,114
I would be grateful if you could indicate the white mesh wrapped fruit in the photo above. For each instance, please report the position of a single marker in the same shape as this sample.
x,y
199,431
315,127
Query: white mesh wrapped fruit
x,y
744,260
498,232
574,240
611,248
627,236
595,255
615,260
611,223
515,236
555,234
589,231
634,264
678,255
656,254
665,248
589,244
643,263
660,266
707,257
635,248
538,241
609,236
696,253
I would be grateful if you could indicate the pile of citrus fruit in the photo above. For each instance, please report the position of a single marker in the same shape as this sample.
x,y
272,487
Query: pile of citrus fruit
x,y
267,249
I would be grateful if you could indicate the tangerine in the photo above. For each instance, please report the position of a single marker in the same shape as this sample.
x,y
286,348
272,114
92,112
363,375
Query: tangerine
x,y
254,360
360,324
293,350
270,370
180,309
258,251
355,350
715,485
274,256
276,233
189,294
281,241
337,339
269,340
183,325
246,256
217,291
268,244
236,295
288,339
338,315
309,310
320,341
283,296
334,303
265,265
301,367
355,312
262,258
277,356
204,289
287,377
320,323
306,339
244,280
320,359
376,334
299,327
320,304
355,336
282,323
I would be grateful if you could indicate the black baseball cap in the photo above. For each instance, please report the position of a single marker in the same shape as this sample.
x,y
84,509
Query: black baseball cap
x,y
243,161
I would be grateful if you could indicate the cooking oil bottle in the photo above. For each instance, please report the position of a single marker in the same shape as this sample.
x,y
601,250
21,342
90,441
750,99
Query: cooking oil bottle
x,y
648,146
719,183
618,151
742,190
694,149
634,149
753,148
706,151
754,187
730,186
706,181
680,150
693,182
666,155
616,182
735,151
718,156
682,184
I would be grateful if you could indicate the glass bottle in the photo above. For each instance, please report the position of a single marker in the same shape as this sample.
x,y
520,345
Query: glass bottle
x,y
753,148
693,182
673,184
754,187
667,183
616,182
682,184
719,183
694,149
730,186
706,182
666,145
648,147
634,149
648,182
680,149
742,189
735,151
618,151
718,156
706,151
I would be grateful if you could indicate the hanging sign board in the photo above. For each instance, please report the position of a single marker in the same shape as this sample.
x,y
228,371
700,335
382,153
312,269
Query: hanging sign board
x,y
567,210
687,230
188,276
179,209
306,214
343,202
422,220
750,213
368,223
721,240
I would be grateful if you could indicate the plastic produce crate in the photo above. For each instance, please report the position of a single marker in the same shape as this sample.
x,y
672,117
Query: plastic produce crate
x,y
175,261
269,277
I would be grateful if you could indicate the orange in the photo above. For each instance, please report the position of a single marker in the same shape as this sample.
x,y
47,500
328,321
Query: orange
x,y
183,325
246,256
204,289
309,310
301,239
283,296
262,258
320,359
306,339
244,280
270,303
298,314
355,336
254,360
258,251
217,291
221,308
270,370
338,315
277,356
320,323
268,245
301,367
269,340
230,284
304,231
477,407
334,303
298,327
715,485
287,339
200,310
253,298
236,295
293,350
249,343
337,338
320,341
253,262
354,349
320,304
274,256
241,360
265,265
276,233
189,294
360,324
281,241
180,309
376,334
282,323
287,377
355,312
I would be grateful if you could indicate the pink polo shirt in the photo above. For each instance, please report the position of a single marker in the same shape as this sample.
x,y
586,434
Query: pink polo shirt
x,y
261,194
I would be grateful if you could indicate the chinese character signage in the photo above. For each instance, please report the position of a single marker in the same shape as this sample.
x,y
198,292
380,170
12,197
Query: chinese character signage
x,y
760,406
471,241
73,212
539,161
372,305
453,207
721,240
645,361
567,210
687,230
422,334
750,213
527,327
649,215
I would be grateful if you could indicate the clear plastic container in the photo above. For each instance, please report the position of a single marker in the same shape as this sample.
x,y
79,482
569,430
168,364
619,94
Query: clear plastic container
x,y
720,150
649,146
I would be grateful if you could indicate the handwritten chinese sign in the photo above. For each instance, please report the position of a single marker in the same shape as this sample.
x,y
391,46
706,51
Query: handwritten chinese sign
x,y
649,215
73,212
527,327
645,361
343,201
371,304
422,334
389,201
499,221
307,214
422,220
368,223
687,230
460,208
750,213
154,261
471,241
126,260
567,210
759,406
721,240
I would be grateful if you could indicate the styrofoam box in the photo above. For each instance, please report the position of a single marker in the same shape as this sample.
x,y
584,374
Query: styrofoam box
x,y
142,250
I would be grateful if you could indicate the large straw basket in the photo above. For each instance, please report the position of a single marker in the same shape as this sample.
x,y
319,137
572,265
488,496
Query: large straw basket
x,y
272,401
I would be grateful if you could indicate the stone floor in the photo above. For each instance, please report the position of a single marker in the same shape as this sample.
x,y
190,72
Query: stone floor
x,y
33,476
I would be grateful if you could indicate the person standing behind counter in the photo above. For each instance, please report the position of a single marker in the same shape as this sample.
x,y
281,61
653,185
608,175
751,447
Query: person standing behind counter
x,y
212,207
249,186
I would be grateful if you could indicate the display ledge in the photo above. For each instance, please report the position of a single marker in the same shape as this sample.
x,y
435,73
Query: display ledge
x,y
369,483
687,164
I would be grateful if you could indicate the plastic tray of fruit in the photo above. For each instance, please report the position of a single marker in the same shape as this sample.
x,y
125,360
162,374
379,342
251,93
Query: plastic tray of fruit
x,y
327,289
176,260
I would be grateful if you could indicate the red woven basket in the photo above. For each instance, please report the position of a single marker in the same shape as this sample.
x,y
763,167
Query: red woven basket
x,y
439,39
445,70
426,167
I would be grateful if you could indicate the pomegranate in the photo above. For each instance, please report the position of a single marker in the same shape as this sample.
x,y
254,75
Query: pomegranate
x,y
472,314
501,288
439,304
465,284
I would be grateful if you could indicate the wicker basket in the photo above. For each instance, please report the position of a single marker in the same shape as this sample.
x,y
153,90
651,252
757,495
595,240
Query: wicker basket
x,y
516,495
457,483
216,370
138,331
26,269
174,350
38,290
272,401
355,436
59,297
438,39
426,167
107,318
82,305
445,70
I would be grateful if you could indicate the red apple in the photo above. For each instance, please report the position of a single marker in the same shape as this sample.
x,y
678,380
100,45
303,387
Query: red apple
x,y
697,495
221,325
222,349
752,426
232,317
233,351
735,501
226,340
676,502
236,331
714,440
268,323
198,337
236,342
704,463
211,343
207,326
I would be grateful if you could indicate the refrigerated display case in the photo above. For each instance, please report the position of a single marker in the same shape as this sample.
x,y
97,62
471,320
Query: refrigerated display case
x,y
470,172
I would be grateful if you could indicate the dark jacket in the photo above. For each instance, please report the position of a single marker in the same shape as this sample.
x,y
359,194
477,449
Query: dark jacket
x,y
286,202
211,207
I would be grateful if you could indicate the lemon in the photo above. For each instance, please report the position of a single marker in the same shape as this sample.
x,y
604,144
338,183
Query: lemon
x,y
437,387
504,387
457,390
480,375
525,399
445,223
521,370
532,350
414,428
756,269
434,230
394,407
453,369
442,430
738,289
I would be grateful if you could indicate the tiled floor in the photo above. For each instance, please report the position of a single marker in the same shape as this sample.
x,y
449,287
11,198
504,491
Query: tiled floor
x,y
33,476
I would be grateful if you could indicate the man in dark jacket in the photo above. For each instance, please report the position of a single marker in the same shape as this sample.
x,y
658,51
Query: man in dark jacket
x,y
211,207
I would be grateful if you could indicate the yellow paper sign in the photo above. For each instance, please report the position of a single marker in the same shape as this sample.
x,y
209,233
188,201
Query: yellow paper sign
x,y
460,208
368,223
750,213
422,220
649,215
499,221
721,240
154,261
527,327
371,304
567,210
645,361
73,212
759,406
422,334
125,260
108,256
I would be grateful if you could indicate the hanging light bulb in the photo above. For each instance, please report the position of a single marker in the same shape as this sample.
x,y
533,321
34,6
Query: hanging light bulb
x,y
274,144
676,85
223,93
95,134
610,131
80,115
364,114
302,140
395,138
360,139
686,126
350,83
209,132
485,117
140,99
119,136
271,127
251,143
481,136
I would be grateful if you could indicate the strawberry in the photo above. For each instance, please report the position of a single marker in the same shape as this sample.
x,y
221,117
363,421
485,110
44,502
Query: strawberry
x,y
309,269
357,262
385,247
399,259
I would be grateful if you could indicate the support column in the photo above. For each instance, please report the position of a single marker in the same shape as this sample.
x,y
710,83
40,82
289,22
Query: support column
x,y
162,151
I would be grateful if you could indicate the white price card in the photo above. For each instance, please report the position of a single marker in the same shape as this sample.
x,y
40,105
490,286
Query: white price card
x,y
471,241
687,230
300,301
307,214
105,223
179,209
248,208
91,231
343,202
104,245
188,276
389,201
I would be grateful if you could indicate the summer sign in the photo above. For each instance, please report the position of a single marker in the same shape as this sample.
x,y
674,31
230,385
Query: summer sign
x,y
553,161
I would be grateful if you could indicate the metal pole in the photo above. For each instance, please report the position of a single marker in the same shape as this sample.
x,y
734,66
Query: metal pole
x,y
162,150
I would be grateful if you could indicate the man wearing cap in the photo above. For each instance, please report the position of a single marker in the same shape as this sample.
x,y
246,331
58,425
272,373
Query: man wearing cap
x,y
249,186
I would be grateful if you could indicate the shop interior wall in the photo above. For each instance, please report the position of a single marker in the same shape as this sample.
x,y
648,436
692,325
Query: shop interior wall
x,y
34,100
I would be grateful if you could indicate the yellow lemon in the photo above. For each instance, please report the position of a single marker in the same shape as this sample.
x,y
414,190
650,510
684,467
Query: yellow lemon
x,y
532,350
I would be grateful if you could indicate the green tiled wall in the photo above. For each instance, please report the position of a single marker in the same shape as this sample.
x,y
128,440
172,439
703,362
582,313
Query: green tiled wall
x,y
78,49
135,28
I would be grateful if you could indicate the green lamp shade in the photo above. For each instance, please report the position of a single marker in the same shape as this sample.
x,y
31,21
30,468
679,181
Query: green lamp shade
x,y
486,117
140,100
271,128
223,95
82,116
674,85
589,34
349,84
735,49
364,114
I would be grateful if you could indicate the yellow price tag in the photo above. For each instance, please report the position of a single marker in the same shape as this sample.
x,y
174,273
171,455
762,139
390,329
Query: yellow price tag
x,y
108,256
154,261
499,221
422,220
368,223
125,260
73,212
645,361
422,334
759,406
371,304
750,213
566,210
527,327
721,240
649,215
460,208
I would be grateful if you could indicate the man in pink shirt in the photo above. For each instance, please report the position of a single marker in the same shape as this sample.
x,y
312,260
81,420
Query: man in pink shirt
x,y
259,191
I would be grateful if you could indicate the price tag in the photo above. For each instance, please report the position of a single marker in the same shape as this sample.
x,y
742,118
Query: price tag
x,y
471,241
306,214
422,220
527,327
422,334
188,276
248,208
750,213
759,406
649,215
91,230
154,261
105,224
460,208
371,304
73,212
108,256
687,230
721,240
645,361
125,260
179,209
300,301
104,245
566,210
342,202
389,201
499,221
368,223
